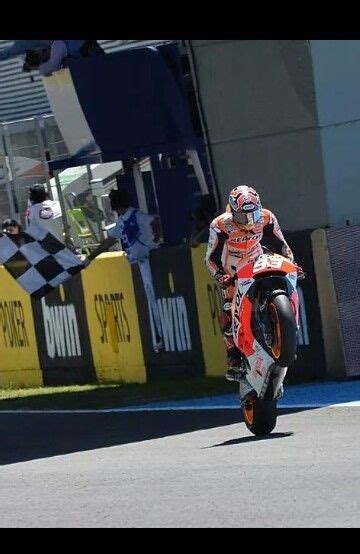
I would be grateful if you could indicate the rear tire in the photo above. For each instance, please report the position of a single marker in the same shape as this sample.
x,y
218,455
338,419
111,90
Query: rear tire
x,y
285,330
259,415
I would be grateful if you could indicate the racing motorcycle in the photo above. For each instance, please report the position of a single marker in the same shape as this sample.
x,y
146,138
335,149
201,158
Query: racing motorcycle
x,y
265,323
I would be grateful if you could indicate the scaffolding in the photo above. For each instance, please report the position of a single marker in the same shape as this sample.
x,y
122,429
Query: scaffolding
x,y
25,147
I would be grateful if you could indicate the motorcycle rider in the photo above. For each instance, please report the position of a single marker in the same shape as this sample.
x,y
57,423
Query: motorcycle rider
x,y
235,240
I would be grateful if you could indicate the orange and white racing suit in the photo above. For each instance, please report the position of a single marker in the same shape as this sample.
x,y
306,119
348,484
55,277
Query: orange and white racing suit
x,y
231,246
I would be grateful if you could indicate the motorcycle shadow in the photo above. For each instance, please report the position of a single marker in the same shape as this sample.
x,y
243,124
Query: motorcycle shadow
x,y
252,438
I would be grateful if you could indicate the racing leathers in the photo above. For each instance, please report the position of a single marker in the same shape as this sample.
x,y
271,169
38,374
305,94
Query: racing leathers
x,y
231,246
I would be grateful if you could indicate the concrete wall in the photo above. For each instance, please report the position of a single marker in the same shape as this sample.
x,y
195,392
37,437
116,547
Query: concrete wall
x,y
337,85
336,79
259,104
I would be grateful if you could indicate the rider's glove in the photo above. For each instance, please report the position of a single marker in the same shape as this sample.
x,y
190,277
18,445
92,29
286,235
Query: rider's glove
x,y
224,280
300,273
287,253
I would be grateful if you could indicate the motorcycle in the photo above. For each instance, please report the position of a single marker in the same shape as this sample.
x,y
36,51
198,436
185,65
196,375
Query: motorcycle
x,y
265,315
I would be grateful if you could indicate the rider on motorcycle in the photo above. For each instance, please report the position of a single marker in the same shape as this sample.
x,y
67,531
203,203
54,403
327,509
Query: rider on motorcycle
x,y
234,241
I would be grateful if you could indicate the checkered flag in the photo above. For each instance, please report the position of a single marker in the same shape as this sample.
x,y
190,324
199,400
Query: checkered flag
x,y
37,260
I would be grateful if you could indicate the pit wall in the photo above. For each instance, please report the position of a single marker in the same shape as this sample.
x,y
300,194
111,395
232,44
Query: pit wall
x,y
96,327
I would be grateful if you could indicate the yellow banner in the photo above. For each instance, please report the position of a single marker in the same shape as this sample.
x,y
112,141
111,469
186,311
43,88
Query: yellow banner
x,y
113,320
209,304
19,360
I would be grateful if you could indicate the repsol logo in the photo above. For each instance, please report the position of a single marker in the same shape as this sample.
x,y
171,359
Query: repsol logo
x,y
12,321
114,324
215,307
174,324
61,331
236,318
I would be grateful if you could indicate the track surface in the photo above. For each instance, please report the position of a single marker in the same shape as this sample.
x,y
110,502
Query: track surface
x,y
188,467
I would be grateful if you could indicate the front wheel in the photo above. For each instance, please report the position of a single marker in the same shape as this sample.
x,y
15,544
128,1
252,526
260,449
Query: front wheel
x,y
259,415
284,328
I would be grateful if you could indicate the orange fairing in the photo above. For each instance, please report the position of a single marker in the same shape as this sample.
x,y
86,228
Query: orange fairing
x,y
245,272
245,338
288,267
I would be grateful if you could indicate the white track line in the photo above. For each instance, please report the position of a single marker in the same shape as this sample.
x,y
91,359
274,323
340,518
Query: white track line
x,y
177,408
118,410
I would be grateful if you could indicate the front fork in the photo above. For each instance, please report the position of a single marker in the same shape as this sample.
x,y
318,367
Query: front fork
x,y
294,299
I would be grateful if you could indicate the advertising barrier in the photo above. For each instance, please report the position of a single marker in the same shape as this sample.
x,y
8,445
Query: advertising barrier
x,y
98,327
209,306
112,318
339,266
19,361
174,289
63,336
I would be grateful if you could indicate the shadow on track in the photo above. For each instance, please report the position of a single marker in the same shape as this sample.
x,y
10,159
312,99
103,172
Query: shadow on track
x,y
32,436
252,438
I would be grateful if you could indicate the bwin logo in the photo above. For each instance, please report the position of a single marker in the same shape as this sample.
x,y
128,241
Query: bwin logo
x,y
61,331
174,322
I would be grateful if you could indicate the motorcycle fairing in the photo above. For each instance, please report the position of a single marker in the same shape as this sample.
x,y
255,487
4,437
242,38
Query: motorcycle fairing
x,y
261,365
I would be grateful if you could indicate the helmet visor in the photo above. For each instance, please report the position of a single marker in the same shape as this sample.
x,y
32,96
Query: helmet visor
x,y
247,218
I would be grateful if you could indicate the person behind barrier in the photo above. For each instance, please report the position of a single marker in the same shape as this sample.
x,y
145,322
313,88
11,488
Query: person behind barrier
x,y
44,211
11,227
234,240
139,234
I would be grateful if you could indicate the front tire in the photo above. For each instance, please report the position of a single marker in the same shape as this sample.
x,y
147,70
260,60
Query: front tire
x,y
284,326
259,415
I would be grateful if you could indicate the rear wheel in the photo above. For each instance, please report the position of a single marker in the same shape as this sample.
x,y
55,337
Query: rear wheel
x,y
284,327
259,415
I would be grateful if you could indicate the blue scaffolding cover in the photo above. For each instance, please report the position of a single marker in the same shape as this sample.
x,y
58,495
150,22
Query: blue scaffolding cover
x,y
134,104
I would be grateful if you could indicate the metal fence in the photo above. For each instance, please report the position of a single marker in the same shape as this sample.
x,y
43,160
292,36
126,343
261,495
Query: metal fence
x,y
25,147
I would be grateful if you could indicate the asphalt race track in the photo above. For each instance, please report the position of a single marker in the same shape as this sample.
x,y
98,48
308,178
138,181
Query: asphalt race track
x,y
191,467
